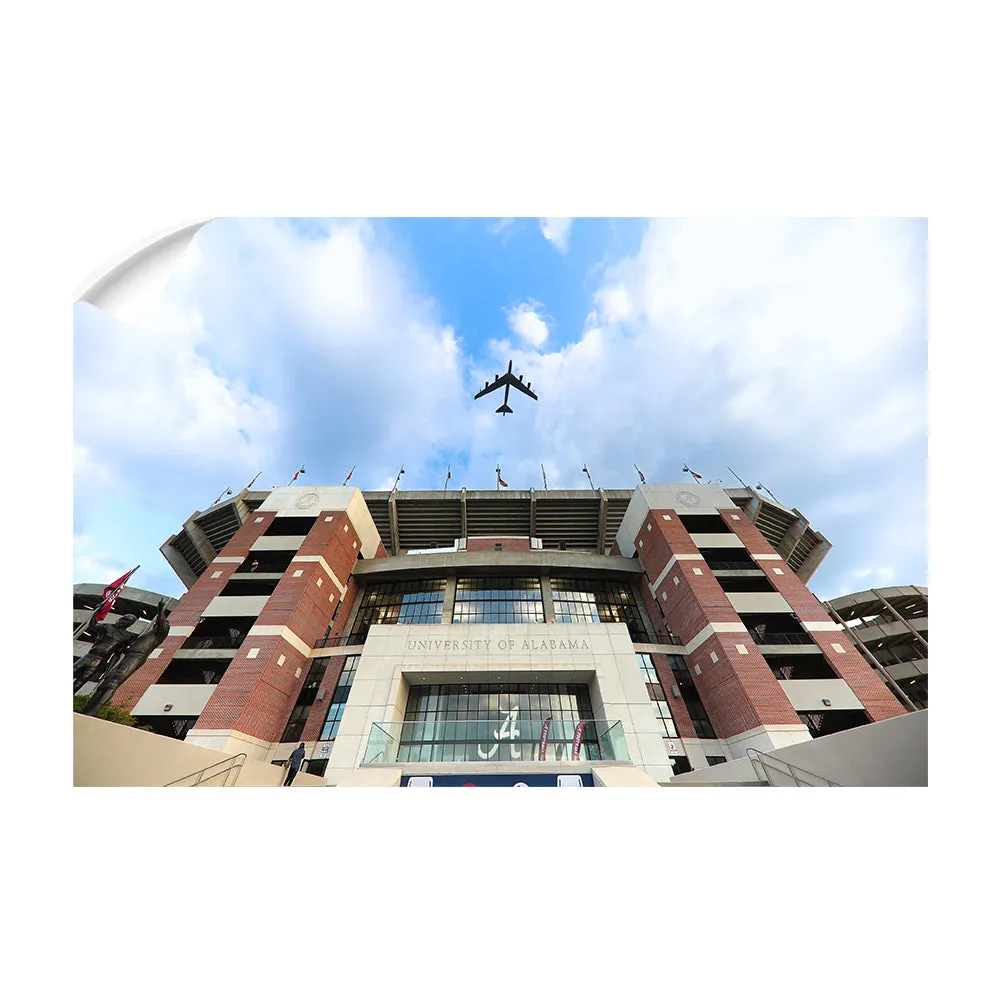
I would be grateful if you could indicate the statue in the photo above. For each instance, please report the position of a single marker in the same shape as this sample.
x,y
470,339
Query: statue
x,y
112,641
131,658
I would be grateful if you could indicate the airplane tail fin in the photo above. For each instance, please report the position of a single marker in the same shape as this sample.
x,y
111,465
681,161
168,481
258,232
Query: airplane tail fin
x,y
504,409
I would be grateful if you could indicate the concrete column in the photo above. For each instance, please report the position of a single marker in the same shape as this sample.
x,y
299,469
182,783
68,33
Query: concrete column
x,y
200,541
450,589
548,605
895,614
872,662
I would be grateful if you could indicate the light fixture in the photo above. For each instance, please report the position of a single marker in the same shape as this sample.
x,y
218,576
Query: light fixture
x,y
826,701
166,708
675,691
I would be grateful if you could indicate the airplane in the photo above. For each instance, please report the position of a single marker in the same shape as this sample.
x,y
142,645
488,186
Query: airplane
x,y
508,379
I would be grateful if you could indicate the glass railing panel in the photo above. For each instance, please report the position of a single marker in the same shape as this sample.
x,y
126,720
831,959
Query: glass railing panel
x,y
510,739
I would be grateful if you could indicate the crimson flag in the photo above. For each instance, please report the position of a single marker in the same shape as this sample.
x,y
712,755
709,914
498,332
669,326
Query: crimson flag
x,y
693,473
500,481
543,743
577,740
110,595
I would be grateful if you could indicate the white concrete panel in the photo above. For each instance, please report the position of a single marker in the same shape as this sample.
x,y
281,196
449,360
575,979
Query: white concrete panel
x,y
325,566
285,633
249,606
651,748
808,695
607,776
277,543
718,541
827,626
185,699
361,519
765,738
758,603
713,628
304,501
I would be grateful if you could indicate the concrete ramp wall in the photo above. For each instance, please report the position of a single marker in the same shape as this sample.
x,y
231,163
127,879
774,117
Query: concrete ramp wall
x,y
888,754
106,754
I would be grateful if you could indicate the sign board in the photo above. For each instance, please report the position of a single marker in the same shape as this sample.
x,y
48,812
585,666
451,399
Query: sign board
x,y
497,780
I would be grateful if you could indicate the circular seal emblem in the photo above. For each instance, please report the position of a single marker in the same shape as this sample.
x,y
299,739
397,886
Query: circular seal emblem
x,y
307,500
688,499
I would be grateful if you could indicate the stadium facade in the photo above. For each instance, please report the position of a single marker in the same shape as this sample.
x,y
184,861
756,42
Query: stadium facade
x,y
499,637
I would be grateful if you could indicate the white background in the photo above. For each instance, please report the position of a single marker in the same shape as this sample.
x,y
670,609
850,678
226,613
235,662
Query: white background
x,y
125,119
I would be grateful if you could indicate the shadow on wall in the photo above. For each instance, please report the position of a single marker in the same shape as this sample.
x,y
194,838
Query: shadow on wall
x,y
108,755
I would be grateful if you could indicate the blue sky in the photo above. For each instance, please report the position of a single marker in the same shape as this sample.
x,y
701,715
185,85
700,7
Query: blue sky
x,y
793,351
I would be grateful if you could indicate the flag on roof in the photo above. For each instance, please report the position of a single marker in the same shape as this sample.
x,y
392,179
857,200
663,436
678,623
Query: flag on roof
x,y
693,473
499,480
637,469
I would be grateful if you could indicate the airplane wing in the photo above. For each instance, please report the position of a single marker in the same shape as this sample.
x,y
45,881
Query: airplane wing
x,y
518,384
502,380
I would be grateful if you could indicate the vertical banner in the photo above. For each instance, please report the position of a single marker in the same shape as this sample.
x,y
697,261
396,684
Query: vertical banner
x,y
577,740
543,743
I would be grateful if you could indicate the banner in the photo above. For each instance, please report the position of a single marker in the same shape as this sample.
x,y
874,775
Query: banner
x,y
543,743
577,740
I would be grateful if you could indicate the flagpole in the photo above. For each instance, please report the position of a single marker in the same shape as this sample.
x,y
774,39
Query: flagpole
x,y
738,477
591,481
296,476
545,484
396,483
641,476
693,476
498,479
255,478
349,474
446,478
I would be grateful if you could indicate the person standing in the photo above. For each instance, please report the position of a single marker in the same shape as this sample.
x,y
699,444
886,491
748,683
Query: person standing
x,y
294,762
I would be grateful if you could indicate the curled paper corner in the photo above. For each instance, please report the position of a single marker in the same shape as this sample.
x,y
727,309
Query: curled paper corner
x,y
125,286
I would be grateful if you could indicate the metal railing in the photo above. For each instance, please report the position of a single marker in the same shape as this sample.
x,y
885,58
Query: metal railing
x,y
480,740
718,564
214,642
354,639
783,639
785,770
203,777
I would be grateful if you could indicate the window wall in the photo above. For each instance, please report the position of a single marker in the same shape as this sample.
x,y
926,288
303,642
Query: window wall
x,y
607,601
497,722
498,599
695,707
339,699
657,695
405,602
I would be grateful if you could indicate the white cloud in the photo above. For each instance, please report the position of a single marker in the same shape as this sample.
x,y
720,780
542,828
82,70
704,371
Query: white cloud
x,y
93,567
271,346
556,231
527,322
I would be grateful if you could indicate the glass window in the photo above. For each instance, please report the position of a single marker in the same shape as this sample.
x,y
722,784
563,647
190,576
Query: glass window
x,y
404,602
597,601
498,600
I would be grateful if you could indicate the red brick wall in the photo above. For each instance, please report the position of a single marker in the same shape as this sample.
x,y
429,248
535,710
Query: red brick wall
x,y
191,606
739,691
871,691
149,673
257,695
